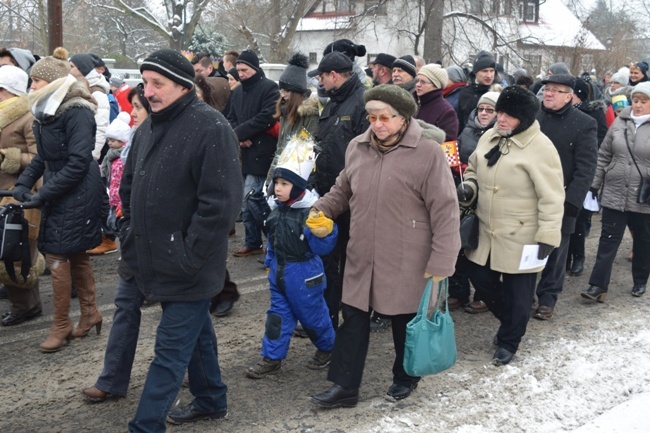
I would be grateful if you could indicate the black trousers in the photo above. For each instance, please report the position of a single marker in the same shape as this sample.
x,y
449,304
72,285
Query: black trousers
x,y
613,228
351,348
459,282
509,300
334,264
577,242
552,278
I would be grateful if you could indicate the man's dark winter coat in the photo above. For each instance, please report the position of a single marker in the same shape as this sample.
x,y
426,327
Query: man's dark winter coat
x,y
251,110
181,192
467,101
342,119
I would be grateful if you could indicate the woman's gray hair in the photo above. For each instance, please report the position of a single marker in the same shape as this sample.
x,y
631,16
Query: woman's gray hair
x,y
375,105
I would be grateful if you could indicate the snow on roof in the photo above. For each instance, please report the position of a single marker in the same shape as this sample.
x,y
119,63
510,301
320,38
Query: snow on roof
x,y
325,23
558,27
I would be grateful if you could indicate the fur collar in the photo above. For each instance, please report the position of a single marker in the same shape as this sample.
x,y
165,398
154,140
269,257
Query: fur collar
x,y
14,111
309,107
432,132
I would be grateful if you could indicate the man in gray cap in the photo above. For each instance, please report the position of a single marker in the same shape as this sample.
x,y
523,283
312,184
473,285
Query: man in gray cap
x,y
574,135
181,193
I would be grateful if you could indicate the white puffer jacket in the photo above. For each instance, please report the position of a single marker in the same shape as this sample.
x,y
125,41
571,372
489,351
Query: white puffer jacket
x,y
99,89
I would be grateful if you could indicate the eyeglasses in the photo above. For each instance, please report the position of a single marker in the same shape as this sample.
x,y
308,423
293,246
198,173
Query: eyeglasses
x,y
554,91
487,110
383,118
422,82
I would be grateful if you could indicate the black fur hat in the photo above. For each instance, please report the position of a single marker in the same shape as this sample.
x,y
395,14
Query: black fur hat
x,y
346,47
294,76
519,103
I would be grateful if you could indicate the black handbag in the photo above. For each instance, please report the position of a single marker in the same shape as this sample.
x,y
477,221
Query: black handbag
x,y
643,195
469,228
14,241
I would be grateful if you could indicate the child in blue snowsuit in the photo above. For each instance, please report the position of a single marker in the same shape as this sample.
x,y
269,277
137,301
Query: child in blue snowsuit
x,y
296,274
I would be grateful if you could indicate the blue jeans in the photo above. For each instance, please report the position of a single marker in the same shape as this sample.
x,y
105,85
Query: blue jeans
x,y
122,340
253,237
185,339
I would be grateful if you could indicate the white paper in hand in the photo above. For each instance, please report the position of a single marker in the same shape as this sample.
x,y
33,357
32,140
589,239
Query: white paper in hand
x,y
529,258
591,203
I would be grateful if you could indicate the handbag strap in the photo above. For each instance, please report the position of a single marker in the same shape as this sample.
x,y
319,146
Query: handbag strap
x,y
426,296
630,150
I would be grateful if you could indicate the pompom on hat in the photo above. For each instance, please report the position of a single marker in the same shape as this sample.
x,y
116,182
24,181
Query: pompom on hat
x,y
395,96
172,65
119,128
294,76
346,47
53,67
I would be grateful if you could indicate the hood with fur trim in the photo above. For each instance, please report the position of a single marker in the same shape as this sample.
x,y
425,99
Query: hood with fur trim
x,y
14,111
432,132
309,107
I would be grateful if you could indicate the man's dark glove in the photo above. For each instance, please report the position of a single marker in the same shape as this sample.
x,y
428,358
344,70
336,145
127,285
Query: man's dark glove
x,y
465,192
21,193
570,210
594,193
35,201
545,250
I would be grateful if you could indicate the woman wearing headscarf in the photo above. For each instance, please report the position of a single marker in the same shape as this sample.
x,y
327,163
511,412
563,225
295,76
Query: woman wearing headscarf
x,y
516,176
622,160
403,226
64,128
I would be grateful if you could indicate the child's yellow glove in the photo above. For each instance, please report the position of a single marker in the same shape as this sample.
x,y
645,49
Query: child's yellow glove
x,y
319,224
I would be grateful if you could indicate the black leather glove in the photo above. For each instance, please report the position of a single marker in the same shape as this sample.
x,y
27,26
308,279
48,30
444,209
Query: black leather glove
x,y
465,192
570,210
20,193
594,193
545,250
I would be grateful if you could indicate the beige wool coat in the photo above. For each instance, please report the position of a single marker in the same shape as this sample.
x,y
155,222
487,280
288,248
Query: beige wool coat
x,y
520,198
403,219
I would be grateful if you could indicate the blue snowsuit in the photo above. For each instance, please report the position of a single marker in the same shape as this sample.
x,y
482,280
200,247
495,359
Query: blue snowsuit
x,y
297,280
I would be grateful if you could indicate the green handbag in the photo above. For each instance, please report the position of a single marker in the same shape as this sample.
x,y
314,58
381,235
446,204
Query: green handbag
x,y
430,345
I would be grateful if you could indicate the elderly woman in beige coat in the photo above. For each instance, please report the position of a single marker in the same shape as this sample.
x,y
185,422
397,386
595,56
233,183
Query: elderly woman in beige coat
x,y
403,227
516,175
17,148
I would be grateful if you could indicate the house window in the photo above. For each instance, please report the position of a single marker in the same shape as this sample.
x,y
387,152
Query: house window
x,y
313,57
529,11
375,7
476,7
501,7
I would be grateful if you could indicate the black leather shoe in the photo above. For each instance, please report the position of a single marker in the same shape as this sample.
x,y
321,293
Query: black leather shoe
x,y
638,290
224,308
189,413
18,318
595,293
336,396
400,392
578,266
502,356
543,312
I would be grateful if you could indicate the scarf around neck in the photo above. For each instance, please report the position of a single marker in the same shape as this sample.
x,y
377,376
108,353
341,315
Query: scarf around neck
x,y
45,102
389,143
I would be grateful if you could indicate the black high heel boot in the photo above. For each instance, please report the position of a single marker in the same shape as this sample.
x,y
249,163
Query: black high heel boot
x,y
595,293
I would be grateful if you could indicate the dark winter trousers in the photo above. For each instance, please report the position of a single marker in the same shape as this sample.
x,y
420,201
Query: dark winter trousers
x,y
351,348
552,279
459,282
334,264
613,228
509,301
577,242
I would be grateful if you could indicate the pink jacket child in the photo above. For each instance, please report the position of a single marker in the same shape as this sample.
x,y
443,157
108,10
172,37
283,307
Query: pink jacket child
x,y
118,134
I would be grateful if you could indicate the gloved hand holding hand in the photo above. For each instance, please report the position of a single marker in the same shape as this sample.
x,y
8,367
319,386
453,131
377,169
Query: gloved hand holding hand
x,y
544,250
21,193
465,192
570,210
319,224
594,193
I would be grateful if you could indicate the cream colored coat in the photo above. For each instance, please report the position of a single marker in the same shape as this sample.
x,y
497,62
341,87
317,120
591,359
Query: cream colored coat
x,y
403,220
520,198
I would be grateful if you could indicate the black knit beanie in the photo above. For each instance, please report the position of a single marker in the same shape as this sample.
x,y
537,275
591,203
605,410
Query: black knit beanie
x,y
581,89
172,65
482,61
249,57
299,184
294,76
233,72
83,62
406,63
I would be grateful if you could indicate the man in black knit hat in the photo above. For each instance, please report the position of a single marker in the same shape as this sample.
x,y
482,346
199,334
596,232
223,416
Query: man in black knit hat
x,y
574,135
482,76
181,192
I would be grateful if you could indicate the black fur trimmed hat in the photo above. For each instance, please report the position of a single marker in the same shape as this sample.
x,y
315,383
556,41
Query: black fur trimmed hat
x,y
294,76
520,103
398,98
172,65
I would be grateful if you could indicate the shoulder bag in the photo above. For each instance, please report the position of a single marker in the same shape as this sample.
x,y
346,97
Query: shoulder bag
x,y
643,196
430,345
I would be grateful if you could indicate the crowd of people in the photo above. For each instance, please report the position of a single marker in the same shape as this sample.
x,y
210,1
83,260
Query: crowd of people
x,y
355,236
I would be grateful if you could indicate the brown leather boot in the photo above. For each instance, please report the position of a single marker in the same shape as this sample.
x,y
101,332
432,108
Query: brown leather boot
x,y
61,329
84,280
